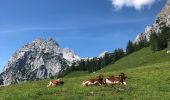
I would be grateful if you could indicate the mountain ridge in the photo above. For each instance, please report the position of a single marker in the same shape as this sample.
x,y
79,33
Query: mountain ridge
x,y
39,59
162,20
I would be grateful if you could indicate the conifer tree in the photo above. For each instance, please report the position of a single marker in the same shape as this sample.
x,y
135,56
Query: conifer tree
x,y
153,41
130,48
158,42
163,43
119,53
145,42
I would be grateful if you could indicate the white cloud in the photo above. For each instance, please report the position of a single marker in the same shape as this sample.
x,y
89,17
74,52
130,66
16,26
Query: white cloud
x,y
137,4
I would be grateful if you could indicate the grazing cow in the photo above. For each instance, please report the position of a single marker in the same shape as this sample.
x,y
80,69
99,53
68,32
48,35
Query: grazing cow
x,y
55,83
98,82
119,80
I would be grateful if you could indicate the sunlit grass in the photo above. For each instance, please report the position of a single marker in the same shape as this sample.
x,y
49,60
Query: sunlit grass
x,y
148,79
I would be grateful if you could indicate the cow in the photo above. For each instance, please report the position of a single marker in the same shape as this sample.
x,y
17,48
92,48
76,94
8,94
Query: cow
x,y
119,80
55,83
97,82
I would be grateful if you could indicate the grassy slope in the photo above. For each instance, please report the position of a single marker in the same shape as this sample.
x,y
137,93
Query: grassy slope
x,y
148,79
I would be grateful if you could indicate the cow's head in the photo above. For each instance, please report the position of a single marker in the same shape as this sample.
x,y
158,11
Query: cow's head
x,y
122,76
101,79
61,82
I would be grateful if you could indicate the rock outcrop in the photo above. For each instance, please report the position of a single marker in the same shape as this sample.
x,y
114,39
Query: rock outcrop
x,y
103,54
40,59
162,20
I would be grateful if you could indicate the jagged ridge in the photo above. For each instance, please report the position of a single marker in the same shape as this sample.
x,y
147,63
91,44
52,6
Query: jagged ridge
x,y
40,59
162,20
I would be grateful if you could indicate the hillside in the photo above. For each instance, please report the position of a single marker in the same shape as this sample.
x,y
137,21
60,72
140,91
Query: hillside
x,y
141,58
148,79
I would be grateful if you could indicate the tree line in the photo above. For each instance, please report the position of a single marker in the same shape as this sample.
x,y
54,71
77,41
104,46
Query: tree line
x,y
97,63
157,42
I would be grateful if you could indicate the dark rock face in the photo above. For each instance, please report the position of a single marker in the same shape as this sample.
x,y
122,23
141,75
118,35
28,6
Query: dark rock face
x,y
162,20
40,59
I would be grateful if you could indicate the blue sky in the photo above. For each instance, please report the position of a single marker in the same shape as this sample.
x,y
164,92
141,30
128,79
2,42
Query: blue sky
x,y
88,27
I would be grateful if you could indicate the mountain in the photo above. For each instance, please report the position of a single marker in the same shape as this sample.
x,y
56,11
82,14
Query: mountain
x,y
40,59
70,56
103,54
162,20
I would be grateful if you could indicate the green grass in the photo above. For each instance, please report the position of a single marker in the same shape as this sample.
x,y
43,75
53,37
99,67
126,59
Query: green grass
x,y
169,45
140,58
148,79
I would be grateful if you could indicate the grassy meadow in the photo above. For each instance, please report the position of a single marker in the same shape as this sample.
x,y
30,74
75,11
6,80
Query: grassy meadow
x,y
148,79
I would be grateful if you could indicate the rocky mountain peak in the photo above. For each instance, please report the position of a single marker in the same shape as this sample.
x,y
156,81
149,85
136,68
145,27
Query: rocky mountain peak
x,y
39,59
39,40
103,54
52,42
70,56
162,20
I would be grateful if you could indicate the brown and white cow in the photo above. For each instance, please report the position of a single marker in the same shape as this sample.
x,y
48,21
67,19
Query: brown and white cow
x,y
55,83
119,80
98,82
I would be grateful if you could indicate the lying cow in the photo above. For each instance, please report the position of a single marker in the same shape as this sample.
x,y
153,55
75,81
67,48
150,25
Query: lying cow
x,y
119,80
98,82
55,83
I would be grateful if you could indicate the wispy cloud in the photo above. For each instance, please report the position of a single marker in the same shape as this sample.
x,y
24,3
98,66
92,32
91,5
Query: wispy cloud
x,y
124,21
97,22
137,4
32,28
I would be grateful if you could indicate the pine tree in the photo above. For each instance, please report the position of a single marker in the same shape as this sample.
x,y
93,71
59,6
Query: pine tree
x,y
111,58
166,31
163,43
136,47
145,42
130,48
154,43
158,42
95,64
119,53
82,66
100,63
106,59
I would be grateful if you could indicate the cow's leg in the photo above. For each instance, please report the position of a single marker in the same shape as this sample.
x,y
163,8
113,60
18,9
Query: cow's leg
x,y
117,83
90,83
124,83
109,82
54,84
97,83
